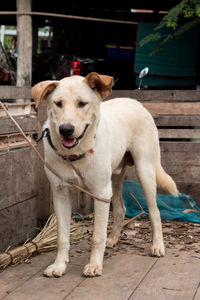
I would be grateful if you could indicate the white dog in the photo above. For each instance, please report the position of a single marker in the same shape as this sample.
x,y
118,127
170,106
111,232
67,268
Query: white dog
x,y
99,139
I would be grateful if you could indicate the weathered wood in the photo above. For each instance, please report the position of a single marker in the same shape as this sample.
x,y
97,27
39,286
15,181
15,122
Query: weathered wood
x,y
27,123
189,188
183,158
24,92
184,173
32,284
40,287
125,276
179,133
190,147
174,108
158,95
13,277
18,222
171,278
177,120
15,92
182,161
16,140
24,41
18,175
18,109
12,92
122,274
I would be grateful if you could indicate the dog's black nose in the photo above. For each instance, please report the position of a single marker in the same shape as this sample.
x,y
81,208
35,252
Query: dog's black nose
x,y
66,130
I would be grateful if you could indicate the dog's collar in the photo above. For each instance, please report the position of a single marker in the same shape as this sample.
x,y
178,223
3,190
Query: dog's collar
x,y
73,157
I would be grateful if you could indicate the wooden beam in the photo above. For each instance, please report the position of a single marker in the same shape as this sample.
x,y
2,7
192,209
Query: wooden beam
x,y
16,140
175,108
24,44
15,92
177,120
46,14
158,95
27,123
18,109
179,133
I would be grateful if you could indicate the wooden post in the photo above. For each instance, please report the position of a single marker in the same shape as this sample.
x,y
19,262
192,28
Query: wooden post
x,y
24,44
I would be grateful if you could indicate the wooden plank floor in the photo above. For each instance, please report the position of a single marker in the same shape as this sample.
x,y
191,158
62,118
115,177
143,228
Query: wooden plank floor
x,y
126,276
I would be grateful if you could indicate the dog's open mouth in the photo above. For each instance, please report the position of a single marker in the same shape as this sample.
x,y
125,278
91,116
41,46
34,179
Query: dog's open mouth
x,y
73,142
70,143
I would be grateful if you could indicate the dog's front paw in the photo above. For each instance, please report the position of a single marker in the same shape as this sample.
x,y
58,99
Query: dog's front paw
x,y
55,270
92,270
158,249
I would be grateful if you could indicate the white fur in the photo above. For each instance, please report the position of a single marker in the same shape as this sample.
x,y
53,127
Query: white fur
x,y
115,126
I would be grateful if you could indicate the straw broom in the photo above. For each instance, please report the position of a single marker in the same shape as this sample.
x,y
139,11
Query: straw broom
x,y
45,241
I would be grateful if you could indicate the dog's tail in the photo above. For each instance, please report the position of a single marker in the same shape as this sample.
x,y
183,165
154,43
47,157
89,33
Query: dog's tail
x,y
164,180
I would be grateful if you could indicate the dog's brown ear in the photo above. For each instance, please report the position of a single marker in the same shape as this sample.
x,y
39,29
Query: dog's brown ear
x,y
102,84
41,90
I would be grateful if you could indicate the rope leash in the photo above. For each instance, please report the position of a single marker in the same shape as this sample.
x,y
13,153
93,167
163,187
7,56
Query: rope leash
x,y
48,166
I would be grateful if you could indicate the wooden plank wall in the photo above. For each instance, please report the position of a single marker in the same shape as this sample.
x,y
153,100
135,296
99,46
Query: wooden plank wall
x,y
18,164
19,177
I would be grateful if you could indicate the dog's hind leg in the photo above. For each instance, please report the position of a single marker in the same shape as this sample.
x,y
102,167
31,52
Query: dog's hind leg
x,y
118,208
146,172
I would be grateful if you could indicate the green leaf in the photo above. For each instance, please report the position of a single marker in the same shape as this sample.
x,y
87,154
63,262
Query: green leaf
x,y
187,9
150,38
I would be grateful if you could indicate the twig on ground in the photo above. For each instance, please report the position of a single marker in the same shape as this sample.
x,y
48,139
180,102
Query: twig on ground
x,y
139,215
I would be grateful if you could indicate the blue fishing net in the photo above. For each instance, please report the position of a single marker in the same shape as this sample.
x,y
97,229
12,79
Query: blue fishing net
x,y
171,208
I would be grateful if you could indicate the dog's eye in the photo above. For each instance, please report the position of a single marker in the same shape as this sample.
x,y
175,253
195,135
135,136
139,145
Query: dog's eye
x,y
59,103
82,104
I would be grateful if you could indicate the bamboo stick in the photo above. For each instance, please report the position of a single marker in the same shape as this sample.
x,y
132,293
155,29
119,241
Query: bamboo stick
x,y
55,15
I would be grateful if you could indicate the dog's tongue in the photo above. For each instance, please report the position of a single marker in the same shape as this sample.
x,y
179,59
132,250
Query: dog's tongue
x,y
69,142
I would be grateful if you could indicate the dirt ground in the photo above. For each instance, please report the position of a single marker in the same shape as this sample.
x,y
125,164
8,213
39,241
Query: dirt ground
x,y
137,236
